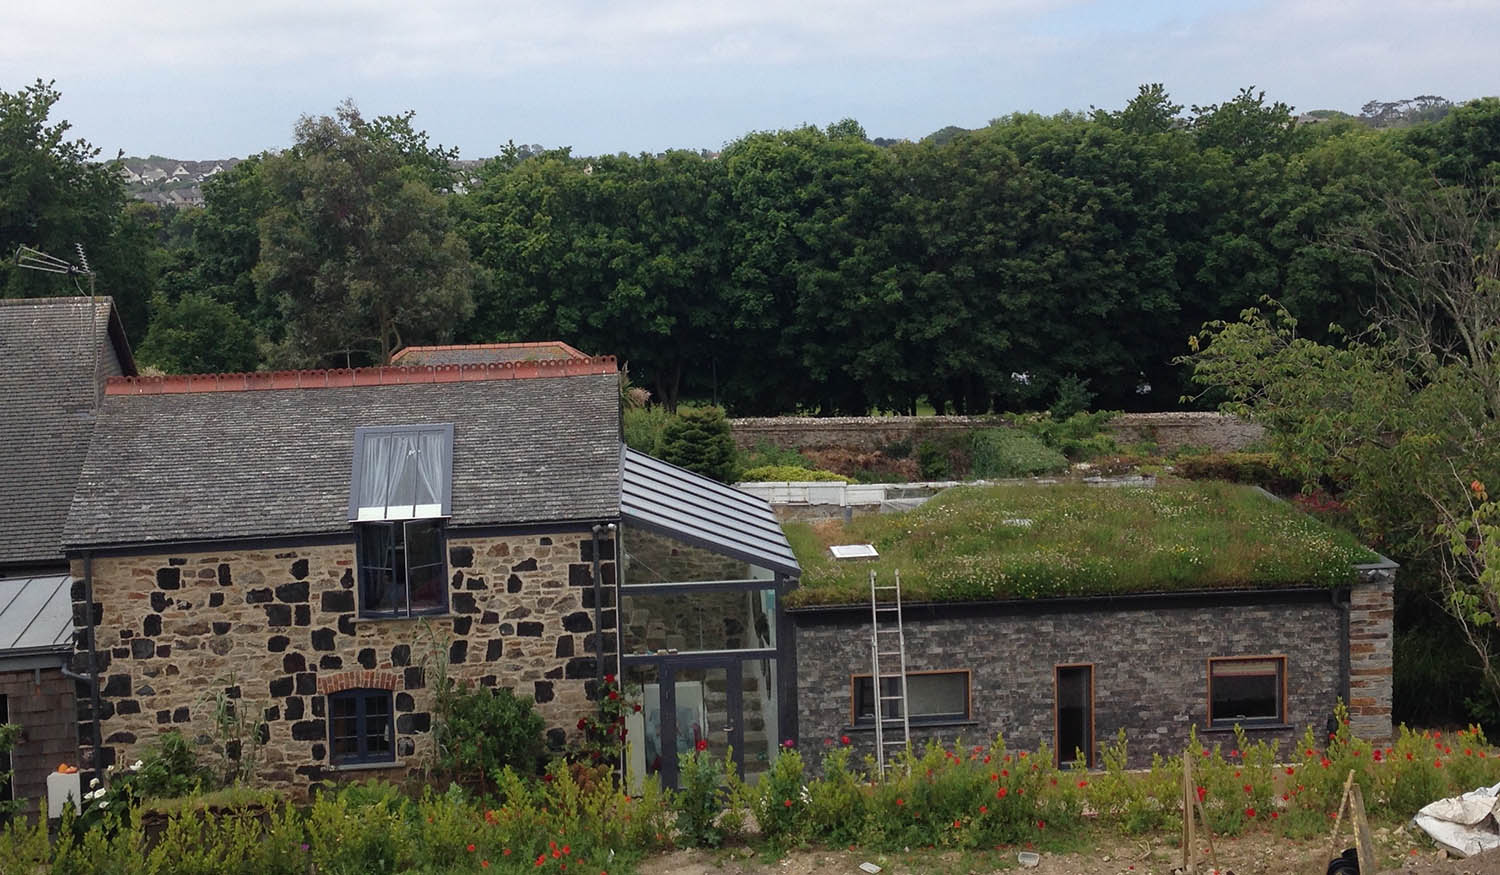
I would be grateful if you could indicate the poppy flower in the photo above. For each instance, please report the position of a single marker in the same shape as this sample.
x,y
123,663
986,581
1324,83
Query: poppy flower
x,y
844,740
471,849
1250,813
984,809
1000,794
1249,789
701,745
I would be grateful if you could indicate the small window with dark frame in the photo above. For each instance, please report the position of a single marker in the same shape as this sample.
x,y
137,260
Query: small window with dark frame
x,y
399,495
1246,690
360,728
932,697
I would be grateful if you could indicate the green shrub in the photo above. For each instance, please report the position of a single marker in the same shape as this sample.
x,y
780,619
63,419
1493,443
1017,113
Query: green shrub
x,y
782,807
482,731
933,462
643,428
1009,452
700,798
836,802
169,768
699,440
766,454
1257,469
788,472
1073,396
1079,436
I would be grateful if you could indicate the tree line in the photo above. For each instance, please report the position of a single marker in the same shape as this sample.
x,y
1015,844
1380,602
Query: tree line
x,y
804,269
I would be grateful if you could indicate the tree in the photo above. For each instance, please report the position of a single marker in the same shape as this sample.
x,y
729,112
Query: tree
x,y
699,440
356,247
197,334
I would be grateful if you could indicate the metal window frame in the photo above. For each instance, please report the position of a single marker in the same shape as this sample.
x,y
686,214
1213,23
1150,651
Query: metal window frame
x,y
357,463
399,545
361,697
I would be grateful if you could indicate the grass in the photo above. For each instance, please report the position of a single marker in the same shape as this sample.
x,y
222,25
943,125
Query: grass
x,y
972,543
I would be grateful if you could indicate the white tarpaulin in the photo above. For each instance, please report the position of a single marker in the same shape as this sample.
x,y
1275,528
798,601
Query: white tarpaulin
x,y
1465,825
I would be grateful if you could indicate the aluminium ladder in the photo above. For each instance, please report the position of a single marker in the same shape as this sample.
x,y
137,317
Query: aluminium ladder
x,y
887,662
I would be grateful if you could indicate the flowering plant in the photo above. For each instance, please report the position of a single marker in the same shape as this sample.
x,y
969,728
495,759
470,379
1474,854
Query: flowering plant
x,y
601,735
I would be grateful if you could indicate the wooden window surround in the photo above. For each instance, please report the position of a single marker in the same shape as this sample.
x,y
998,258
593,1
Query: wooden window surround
x,y
860,692
1246,690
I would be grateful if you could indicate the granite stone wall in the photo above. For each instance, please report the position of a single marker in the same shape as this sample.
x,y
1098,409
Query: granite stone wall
x,y
1150,664
277,629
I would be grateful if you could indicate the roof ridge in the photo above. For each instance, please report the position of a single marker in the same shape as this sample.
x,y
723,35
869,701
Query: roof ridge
x,y
518,344
335,378
57,299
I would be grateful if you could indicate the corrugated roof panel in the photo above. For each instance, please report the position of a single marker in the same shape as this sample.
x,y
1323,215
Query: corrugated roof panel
x,y
36,613
678,502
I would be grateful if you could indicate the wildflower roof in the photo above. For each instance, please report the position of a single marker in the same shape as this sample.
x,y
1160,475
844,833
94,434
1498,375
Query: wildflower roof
x,y
1022,541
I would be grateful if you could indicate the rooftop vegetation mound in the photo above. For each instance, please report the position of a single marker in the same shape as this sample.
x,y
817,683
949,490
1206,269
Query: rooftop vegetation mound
x,y
977,543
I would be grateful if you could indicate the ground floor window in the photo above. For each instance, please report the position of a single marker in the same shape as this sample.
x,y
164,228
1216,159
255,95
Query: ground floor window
x,y
1246,690
360,728
1074,714
932,697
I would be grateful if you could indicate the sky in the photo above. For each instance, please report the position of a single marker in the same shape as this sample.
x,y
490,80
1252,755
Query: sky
x,y
199,79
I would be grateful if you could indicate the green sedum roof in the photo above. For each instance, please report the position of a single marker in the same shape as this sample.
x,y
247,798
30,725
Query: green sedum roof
x,y
973,543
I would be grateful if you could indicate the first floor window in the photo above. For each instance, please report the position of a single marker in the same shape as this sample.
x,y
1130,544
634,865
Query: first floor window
x,y
932,697
360,728
1246,690
402,569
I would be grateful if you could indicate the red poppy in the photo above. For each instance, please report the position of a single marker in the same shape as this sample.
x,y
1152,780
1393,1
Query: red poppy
x,y
900,801
609,679
613,695
1250,812
956,824
984,809
1083,783
1202,793
1249,789
1005,773
788,743
702,745
1437,764
1000,794
787,803
471,849
844,740
1290,770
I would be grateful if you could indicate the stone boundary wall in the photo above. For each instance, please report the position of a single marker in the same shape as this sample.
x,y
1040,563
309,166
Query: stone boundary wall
x,y
277,627
869,433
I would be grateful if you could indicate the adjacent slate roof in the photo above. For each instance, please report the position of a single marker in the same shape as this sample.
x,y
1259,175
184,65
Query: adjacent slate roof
x,y
36,614
674,501
47,394
196,464
485,353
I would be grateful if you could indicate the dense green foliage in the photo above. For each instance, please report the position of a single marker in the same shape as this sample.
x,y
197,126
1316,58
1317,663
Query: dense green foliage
x,y
1037,262
698,439
1021,541
485,730
792,473
1009,452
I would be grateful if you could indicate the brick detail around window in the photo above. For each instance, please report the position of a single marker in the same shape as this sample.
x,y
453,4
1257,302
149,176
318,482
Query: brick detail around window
x,y
358,680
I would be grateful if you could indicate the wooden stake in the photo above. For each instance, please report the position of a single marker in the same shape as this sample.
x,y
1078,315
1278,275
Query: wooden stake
x,y
1338,819
1353,800
1189,797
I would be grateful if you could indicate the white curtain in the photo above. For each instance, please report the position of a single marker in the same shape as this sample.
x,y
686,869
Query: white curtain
x,y
432,463
374,475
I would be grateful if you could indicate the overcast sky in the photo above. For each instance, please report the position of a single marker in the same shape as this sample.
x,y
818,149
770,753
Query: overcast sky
x,y
209,79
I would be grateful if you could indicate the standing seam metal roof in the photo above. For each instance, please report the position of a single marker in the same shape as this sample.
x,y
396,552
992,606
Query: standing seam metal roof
x,y
675,501
36,614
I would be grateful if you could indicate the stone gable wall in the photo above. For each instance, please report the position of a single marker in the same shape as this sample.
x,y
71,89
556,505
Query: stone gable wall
x,y
1150,669
277,628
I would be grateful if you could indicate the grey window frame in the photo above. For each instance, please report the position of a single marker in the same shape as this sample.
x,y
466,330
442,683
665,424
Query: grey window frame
x,y
360,697
859,681
361,433
361,569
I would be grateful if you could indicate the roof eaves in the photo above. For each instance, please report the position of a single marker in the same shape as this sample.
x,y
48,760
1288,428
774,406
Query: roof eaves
x,y
351,377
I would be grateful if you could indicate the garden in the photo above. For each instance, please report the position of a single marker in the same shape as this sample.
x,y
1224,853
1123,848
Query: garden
x,y
937,808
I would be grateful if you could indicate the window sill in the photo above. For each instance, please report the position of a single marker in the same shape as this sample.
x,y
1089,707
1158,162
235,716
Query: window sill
x,y
916,725
401,618
360,767
1249,727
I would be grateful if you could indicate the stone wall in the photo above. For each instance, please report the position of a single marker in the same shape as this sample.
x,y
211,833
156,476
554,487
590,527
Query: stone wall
x,y
1168,430
1372,610
277,628
42,703
1149,657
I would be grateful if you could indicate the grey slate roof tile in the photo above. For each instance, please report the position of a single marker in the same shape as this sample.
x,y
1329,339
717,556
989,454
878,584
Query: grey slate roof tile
x,y
215,465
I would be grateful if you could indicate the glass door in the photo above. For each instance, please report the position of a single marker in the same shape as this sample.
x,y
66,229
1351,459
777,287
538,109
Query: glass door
x,y
687,705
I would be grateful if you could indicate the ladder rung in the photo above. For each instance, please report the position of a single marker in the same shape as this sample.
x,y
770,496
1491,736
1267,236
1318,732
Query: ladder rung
x,y
890,653
891,698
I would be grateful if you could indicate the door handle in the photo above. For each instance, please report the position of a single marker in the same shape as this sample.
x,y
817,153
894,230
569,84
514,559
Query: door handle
x,y
729,728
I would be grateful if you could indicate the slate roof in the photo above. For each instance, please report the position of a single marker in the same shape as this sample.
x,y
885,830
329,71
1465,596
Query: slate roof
x,y
485,353
192,465
674,501
36,614
47,393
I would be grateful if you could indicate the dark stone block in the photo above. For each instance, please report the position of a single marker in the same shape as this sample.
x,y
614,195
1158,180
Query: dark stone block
x,y
271,714
405,747
529,630
346,624
513,584
309,730
127,706
607,575
463,603
475,584
319,751
338,601
579,668
293,663
278,615
331,661
542,692
405,703
142,648
456,581
215,599
490,618
151,625
322,639
545,541
163,651
557,739
312,773
120,652
163,717
462,625
221,628
169,578
258,596
507,629
494,650
177,560
280,687
418,722
414,678
317,706
586,550
564,646
367,657
307,683
181,715
524,565
145,690
346,580
159,602
299,569
224,576
121,737
401,655
116,685
78,591
461,557
580,575
295,708
578,621
277,643
488,680
458,651
292,593
302,615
